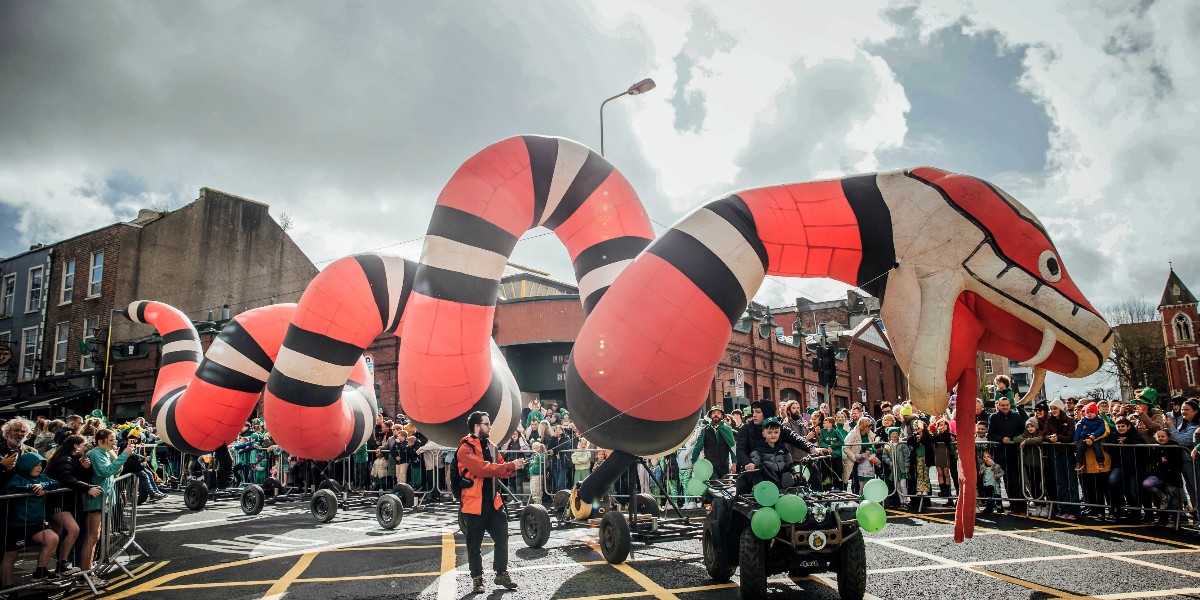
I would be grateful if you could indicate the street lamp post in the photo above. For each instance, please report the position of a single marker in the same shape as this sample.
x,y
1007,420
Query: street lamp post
x,y
640,87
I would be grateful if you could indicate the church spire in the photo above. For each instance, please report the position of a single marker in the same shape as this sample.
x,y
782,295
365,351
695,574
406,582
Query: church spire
x,y
1176,292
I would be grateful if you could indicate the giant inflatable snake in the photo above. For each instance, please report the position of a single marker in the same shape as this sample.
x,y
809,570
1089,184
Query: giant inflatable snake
x,y
958,265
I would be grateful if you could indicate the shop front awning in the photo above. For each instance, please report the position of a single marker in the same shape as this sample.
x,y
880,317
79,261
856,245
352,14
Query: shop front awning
x,y
41,402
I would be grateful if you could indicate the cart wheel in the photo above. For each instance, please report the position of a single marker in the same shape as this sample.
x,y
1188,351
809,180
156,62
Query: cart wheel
x,y
579,509
752,560
716,561
195,495
253,499
330,485
173,484
271,488
614,537
852,568
389,511
405,493
535,525
323,505
562,505
647,505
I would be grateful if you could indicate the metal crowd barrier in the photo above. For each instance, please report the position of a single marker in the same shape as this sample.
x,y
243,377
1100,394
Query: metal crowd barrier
x,y
116,546
1120,484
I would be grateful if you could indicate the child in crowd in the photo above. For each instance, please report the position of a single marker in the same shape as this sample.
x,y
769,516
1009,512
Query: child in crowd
x,y
1031,464
534,466
988,483
26,521
832,436
1123,479
896,457
921,443
582,460
1166,472
943,443
1090,430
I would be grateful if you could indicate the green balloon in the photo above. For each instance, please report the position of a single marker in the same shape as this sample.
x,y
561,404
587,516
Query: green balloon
x,y
871,516
702,469
791,508
765,523
766,493
697,487
875,490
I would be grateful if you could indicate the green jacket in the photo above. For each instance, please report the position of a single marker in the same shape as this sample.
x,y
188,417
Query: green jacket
x,y
832,438
28,509
104,466
534,464
726,432
360,455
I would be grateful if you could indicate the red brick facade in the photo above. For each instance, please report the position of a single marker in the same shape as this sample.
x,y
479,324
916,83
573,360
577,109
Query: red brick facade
x,y
1182,352
538,319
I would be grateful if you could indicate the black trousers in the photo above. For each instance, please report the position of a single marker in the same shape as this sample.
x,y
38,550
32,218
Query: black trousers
x,y
495,524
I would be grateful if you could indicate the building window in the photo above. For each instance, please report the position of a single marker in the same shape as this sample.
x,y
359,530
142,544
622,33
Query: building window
x,y
33,294
97,274
60,348
28,352
68,282
1183,327
5,340
10,294
89,333
987,366
1189,371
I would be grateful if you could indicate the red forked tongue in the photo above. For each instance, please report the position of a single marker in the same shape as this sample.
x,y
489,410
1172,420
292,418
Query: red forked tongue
x,y
964,514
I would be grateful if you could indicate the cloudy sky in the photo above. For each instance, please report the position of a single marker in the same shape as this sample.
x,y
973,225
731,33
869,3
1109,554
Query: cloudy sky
x,y
349,117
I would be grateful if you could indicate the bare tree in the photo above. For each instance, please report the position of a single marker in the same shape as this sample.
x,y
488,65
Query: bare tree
x,y
1139,355
285,221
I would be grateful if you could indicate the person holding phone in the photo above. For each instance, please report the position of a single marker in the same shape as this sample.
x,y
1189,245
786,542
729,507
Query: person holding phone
x,y
105,464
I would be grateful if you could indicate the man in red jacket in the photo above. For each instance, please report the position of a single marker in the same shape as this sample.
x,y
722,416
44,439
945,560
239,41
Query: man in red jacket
x,y
480,463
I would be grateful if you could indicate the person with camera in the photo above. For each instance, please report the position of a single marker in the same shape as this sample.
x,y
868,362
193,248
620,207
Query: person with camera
x,y
482,510
106,463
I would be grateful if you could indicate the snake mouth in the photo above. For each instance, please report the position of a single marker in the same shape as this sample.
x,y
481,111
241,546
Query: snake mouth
x,y
1016,339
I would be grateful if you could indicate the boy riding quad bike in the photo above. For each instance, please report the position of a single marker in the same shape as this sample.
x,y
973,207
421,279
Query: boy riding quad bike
x,y
819,532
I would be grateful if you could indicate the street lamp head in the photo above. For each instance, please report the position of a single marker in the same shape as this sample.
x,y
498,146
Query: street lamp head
x,y
641,87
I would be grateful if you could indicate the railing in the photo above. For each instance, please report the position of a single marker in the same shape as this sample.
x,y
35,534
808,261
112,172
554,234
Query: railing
x,y
116,546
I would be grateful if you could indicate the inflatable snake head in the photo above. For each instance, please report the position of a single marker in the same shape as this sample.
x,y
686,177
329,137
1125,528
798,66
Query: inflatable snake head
x,y
978,271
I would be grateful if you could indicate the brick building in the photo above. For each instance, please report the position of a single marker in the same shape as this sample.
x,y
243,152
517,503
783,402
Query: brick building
x,y
218,251
1179,318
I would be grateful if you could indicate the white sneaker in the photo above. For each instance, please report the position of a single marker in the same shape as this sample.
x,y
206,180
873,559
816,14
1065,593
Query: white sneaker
x,y
689,505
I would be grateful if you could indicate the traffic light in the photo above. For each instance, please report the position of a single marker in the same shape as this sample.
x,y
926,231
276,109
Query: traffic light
x,y
830,366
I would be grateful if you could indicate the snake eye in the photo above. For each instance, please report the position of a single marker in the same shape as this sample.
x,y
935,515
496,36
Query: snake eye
x,y
1049,267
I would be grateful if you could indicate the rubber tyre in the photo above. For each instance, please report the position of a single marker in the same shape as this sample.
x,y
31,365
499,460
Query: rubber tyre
x,y
614,537
852,568
752,560
195,495
252,500
272,488
647,505
407,496
562,504
389,511
330,485
535,525
717,563
323,506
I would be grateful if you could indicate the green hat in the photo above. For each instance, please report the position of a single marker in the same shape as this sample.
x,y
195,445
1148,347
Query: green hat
x,y
746,411
98,413
891,430
715,408
1148,394
772,422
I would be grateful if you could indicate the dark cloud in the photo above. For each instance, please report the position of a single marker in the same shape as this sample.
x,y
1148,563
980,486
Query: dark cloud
x,y
372,106
704,40
965,94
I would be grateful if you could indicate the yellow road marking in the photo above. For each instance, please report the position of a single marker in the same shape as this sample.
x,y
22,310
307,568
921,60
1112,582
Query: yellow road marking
x,y
447,587
652,588
296,571
1030,585
122,580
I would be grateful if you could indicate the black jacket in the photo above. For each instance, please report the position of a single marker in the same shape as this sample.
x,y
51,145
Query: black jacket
x,y
751,435
72,475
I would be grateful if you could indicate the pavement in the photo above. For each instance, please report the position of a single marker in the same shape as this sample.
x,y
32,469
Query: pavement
x,y
284,553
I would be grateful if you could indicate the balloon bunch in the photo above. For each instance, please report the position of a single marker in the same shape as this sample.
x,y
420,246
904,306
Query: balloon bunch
x,y
870,513
702,470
